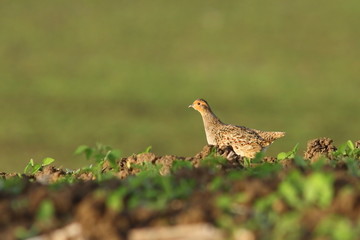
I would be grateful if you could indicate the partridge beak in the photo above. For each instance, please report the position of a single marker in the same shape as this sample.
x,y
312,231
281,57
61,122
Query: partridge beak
x,y
190,106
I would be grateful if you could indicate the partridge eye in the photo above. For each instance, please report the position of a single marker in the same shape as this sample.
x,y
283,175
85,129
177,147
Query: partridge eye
x,y
198,103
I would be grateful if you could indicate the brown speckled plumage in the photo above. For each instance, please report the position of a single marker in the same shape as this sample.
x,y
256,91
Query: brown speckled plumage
x,y
245,141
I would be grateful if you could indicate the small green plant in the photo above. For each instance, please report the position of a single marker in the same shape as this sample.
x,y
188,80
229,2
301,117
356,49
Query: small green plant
x,y
100,154
230,205
147,150
301,191
180,164
287,226
228,202
301,162
287,155
213,162
148,168
149,190
23,233
257,159
67,179
348,150
318,189
247,162
32,167
349,154
353,166
115,199
264,169
216,183
13,185
336,228
45,211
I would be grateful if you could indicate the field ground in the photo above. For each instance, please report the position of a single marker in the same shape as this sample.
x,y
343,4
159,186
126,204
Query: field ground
x,y
144,196
123,73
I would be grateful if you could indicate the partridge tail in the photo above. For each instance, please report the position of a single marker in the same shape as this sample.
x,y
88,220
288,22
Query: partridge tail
x,y
271,136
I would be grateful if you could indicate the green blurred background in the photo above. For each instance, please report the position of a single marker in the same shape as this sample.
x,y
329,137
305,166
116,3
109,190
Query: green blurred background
x,y
123,73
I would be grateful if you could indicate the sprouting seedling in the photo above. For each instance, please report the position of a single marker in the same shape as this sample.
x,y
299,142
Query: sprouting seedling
x,y
100,154
213,161
148,168
32,167
348,149
115,199
46,211
257,159
148,149
84,149
290,154
247,162
300,191
180,164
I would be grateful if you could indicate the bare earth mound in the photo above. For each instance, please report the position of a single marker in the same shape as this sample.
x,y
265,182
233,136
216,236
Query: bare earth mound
x,y
209,200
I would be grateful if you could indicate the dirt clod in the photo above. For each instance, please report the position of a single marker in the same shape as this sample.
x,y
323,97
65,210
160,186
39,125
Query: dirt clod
x,y
319,147
357,144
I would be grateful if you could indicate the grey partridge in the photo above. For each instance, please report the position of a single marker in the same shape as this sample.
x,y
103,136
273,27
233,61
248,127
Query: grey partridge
x,y
245,142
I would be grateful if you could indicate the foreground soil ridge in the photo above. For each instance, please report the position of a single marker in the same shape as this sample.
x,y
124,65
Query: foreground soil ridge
x,y
206,196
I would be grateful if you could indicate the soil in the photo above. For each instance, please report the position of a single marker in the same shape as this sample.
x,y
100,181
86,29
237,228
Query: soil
x,y
81,213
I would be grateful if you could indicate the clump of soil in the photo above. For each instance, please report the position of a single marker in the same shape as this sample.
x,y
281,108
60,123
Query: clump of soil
x,y
319,147
357,144
49,174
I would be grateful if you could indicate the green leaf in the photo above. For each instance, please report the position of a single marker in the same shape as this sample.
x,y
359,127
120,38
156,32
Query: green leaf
x,y
115,199
148,169
84,149
27,167
213,162
288,226
350,144
293,152
148,149
290,154
47,161
318,189
282,156
336,228
179,164
342,149
45,211
81,149
290,194
300,161
266,203
216,183
223,201
36,168
319,164
265,169
247,162
291,188
114,154
295,149
353,166
258,157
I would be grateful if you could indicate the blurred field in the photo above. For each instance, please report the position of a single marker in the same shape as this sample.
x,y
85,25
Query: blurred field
x,y
123,73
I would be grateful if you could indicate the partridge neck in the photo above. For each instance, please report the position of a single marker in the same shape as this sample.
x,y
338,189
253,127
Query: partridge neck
x,y
210,118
